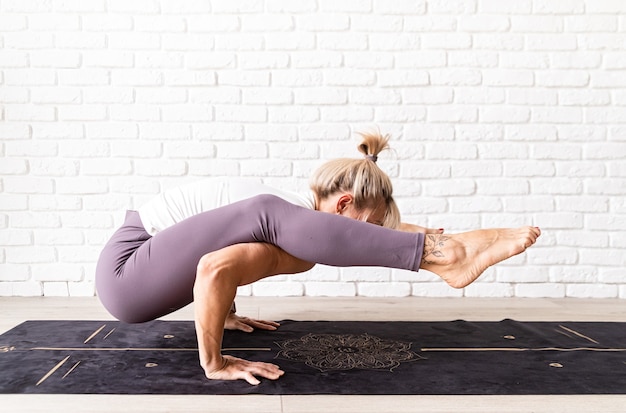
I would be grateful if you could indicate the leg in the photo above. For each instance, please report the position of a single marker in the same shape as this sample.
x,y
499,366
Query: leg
x,y
157,276
461,258
218,276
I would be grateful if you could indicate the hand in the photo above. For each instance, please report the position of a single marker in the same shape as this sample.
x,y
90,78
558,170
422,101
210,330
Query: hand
x,y
235,322
235,368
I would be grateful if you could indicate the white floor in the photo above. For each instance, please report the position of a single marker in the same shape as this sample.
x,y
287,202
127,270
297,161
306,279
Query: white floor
x,y
15,310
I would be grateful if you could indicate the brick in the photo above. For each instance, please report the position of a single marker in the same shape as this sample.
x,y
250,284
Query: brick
x,y
508,77
271,133
360,114
553,256
185,113
456,77
81,289
16,237
343,77
278,289
504,114
602,151
134,112
56,272
576,60
559,6
424,170
263,168
25,289
434,289
296,114
82,113
584,203
608,222
529,204
54,202
592,291
488,289
55,289
447,188
540,290
108,59
612,276
133,41
582,239
502,186
453,113
473,59
28,41
428,24
360,274
329,289
475,204
238,42
606,6
561,220
106,23
30,255
10,272
581,133
375,289
532,97
574,274
451,151
606,186
584,98
12,202
402,78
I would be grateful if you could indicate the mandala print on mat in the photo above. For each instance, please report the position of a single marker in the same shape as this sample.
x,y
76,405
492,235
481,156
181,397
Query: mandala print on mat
x,y
327,352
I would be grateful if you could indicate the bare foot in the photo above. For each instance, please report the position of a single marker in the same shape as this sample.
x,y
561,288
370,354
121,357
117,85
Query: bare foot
x,y
460,259
416,228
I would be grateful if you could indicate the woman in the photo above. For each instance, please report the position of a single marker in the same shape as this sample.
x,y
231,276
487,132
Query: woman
x,y
201,241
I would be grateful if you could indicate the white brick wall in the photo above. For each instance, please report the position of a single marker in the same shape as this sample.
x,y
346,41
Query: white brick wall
x,y
503,112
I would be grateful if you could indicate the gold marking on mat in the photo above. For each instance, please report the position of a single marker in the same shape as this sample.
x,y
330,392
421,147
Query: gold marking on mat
x,y
52,370
578,334
168,336
509,337
95,333
563,332
6,349
149,365
143,349
71,370
557,365
109,333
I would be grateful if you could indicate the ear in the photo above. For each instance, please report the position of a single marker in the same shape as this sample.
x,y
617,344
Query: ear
x,y
344,202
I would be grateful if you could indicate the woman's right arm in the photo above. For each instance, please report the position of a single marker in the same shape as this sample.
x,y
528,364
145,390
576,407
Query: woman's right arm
x,y
218,276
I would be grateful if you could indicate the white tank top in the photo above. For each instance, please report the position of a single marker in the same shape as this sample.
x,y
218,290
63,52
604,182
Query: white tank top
x,y
177,204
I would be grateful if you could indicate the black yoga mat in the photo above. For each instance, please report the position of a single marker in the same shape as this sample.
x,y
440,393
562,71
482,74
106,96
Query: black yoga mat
x,y
323,357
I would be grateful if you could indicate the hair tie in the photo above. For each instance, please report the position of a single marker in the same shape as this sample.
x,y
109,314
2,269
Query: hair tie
x,y
372,158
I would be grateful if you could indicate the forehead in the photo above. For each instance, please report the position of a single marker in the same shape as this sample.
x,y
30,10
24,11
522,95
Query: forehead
x,y
377,215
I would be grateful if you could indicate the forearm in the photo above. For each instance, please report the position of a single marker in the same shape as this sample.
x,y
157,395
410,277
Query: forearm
x,y
213,298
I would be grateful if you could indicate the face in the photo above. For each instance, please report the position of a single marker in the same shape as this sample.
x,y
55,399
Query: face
x,y
343,204
372,215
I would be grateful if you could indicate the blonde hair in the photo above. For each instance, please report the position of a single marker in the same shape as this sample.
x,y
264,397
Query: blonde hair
x,y
362,178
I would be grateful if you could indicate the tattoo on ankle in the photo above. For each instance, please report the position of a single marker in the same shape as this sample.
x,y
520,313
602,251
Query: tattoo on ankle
x,y
432,247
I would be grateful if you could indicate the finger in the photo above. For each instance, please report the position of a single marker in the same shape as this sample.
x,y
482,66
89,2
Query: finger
x,y
244,327
251,379
264,325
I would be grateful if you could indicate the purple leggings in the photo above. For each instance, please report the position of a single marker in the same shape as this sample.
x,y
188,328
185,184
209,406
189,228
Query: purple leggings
x,y
140,277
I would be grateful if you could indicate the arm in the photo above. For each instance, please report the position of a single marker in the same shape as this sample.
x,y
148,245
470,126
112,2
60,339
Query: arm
x,y
416,228
219,273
